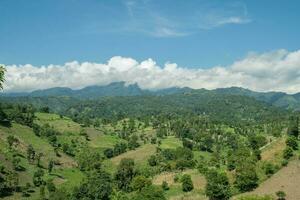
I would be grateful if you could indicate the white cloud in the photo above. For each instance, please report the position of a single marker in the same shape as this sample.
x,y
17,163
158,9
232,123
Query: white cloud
x,y
272,71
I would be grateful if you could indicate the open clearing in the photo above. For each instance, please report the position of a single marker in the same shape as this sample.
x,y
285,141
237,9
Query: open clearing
x,y
140,155
198,180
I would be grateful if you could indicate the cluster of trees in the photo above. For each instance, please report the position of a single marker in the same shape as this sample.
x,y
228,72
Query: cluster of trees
x,y
125,182
169,159
9,182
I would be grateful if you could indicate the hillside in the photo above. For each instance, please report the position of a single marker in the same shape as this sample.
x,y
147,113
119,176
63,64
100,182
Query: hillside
x,y
166,137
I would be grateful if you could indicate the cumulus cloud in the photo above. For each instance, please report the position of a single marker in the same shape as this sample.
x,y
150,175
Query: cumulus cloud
x,y
272,71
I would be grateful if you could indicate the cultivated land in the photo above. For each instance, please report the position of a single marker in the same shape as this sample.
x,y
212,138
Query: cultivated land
x,y
178,146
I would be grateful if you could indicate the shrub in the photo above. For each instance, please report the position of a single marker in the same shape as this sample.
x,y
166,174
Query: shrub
x,y
187,184
165,185
288,153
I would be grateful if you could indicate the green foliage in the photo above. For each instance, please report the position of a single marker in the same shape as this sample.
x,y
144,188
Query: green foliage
x,y
97,186
133,142
288,153
139,182
88,159
38,177
8,182
292,142
12,141
50,186
120,148
187,184
293,128
257,141
30,153
165,185
280,195
153,160
50,166
150,193
109,153
217,186
246,177
125,173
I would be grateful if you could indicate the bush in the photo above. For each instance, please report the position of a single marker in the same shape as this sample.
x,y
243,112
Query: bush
x,y
139,182
176,178
217,186
280,195
288,153
269,169
292,142
165,186
152,161
187,184
109,153
284,163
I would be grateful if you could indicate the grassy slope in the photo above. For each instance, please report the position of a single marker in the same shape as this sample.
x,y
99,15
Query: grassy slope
x,y
287,179
68,176
65,174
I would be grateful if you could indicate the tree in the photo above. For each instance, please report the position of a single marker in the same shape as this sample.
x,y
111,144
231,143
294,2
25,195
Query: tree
x,y
217,186
16,163
42,192
150,193
38,177
280,195
292,142
288,153
50,186
30,153
293,129
97,186
125,174
152,160
88,159
120,148
187,184
109,153
246,177
139,182
187,143
38,159
133,142
50,166
12,140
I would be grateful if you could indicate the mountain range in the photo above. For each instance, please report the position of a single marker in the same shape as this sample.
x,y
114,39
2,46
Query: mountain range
x,y
279,99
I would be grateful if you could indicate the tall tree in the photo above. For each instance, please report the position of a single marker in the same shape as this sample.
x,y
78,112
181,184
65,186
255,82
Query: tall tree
x,y
217,186
97,186
246,176
187,184
125,174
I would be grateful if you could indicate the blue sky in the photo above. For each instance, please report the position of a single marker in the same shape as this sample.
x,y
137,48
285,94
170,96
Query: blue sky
x,y
156,43
194,34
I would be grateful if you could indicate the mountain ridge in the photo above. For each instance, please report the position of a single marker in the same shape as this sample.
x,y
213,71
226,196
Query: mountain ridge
x,y
279,99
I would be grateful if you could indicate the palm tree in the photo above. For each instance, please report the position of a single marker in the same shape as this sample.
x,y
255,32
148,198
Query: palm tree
x,y
2,71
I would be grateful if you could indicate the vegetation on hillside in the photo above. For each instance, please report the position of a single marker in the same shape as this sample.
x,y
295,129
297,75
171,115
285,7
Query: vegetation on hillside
x,y
190,144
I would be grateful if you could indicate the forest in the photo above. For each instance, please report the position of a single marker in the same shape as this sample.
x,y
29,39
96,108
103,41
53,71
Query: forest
x,y
186,145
